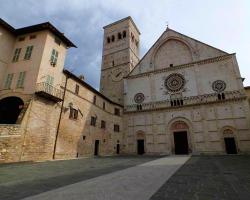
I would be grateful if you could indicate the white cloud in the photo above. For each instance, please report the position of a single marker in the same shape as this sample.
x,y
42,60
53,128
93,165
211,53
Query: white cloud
x,y
223,24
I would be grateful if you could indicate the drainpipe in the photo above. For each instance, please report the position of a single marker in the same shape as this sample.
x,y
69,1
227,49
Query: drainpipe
x,y
60,117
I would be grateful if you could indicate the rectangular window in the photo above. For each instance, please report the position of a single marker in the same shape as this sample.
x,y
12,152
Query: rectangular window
x,y
50,80
28,52
49,84
57,41
117,111
21,39
73,113
93,121
94,100
32,37
77,89
8,81
20,81
16,55
103,124
54,57
116,128
103,105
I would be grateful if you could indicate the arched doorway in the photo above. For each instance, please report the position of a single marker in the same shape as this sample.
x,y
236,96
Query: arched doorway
x,y
10,108
140,142
181,142
229,141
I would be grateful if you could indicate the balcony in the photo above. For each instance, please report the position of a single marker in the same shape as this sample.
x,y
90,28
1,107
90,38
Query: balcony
x,y
48,91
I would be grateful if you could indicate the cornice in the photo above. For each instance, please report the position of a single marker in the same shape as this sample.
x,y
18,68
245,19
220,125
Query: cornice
x,y
200,62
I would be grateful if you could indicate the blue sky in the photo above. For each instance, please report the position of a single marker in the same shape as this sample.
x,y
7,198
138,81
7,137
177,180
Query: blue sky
x,y
224,24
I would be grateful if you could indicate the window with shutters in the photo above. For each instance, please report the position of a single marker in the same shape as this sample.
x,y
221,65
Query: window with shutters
x,y
28,52
54,57
116,128
93,121
16,55
77,89
8,81
103,124
94,100
20,81
117,111
50,80
73,114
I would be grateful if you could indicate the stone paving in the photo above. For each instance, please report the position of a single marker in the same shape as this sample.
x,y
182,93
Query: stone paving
x,y
139,182
26,179
138,177
209,177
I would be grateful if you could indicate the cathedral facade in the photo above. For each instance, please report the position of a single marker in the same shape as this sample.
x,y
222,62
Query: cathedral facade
x,y
182,97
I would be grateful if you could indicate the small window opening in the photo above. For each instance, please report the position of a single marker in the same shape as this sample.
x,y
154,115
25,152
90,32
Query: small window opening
x,y
119,36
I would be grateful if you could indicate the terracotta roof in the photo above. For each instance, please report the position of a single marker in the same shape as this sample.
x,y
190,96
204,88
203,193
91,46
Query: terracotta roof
x,y
76,78
38,27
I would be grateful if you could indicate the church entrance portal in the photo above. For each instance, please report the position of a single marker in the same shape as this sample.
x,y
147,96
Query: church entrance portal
x,y
230,145
181,142
140,147
10,108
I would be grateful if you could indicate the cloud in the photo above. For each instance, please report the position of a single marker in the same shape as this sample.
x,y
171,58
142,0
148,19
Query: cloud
x,y
223,24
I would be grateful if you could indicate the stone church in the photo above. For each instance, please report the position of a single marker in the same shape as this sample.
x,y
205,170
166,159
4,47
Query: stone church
x,y
182,97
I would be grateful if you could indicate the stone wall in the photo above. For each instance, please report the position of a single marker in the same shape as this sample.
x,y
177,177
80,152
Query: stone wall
x,y
77,136
10,143
206,124
40,127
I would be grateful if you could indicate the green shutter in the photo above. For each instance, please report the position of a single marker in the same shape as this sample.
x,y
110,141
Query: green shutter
x,y
50,80
8,81
16,55
28,52
20,81
54,56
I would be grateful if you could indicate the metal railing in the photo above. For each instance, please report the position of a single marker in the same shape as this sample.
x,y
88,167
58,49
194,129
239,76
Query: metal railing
x,y
49,89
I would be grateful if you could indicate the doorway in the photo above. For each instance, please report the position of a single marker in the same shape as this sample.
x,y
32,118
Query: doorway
x,y
230,145
181,142
96,148
118,149
140,147
10,108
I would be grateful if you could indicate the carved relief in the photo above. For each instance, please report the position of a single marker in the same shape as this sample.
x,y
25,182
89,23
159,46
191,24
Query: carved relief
x,y
179,125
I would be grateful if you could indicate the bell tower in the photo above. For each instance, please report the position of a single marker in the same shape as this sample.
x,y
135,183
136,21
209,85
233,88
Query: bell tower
x,y
119,56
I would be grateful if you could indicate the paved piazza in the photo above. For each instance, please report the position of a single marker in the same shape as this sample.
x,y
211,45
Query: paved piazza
x,y
128,177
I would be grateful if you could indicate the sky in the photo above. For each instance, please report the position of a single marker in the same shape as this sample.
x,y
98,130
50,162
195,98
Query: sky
x,y
224,24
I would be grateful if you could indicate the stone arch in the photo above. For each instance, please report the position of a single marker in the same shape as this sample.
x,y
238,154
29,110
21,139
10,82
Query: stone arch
x,y
165,53
10,108
229,132
180,124
140,135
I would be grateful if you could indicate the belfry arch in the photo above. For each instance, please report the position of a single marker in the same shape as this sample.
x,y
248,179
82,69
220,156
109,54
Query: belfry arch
x,y
10,108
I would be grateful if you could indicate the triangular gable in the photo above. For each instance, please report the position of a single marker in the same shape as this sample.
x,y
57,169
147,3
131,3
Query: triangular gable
x,y
199,50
